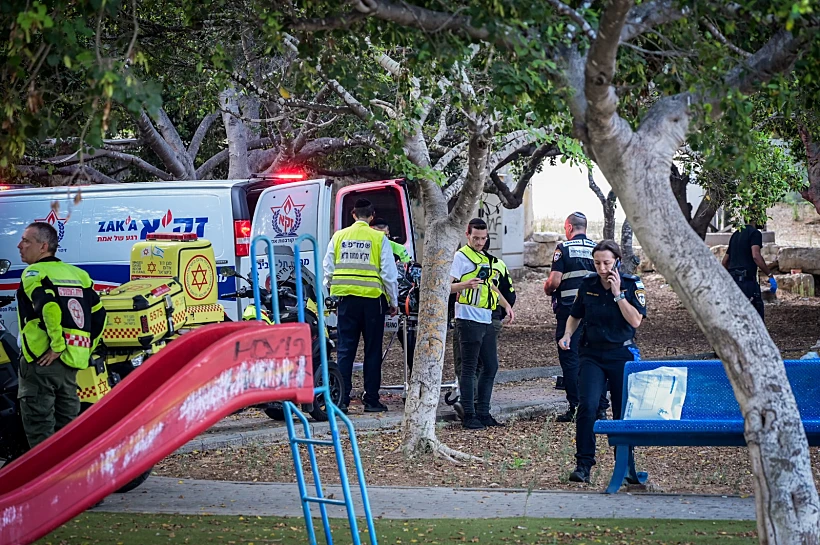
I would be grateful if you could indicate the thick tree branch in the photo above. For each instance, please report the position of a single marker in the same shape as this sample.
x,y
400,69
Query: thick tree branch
x,y
706,211
432,21
649,15
477,159
601,63
326,145
775,57
159,146
75,172
217,159
451,154
515,198
199,135
356,107
306,130
126,158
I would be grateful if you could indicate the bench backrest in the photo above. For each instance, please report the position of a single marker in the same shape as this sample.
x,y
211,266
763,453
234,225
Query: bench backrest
x,y
709,395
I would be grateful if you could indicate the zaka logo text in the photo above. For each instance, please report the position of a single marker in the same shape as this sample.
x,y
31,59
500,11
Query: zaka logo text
x,y
134,229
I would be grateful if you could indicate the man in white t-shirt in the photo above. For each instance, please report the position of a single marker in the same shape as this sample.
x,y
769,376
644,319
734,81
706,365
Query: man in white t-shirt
x,y
472,275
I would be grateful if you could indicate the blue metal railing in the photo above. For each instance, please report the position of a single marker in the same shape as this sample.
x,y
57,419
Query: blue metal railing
x,y
330,408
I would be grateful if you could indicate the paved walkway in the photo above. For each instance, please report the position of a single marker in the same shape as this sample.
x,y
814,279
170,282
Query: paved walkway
x,y
510,397
167,495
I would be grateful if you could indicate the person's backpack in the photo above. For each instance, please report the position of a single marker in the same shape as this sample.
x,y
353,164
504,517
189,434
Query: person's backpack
x,y
409,283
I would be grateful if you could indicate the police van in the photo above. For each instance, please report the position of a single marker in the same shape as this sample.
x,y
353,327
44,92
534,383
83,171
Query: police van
x,y
97,232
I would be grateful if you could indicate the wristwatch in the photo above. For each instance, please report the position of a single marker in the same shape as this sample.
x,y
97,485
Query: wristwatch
x,y
618,297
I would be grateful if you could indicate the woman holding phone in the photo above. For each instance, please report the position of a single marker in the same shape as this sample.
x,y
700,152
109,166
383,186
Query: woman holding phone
x,y
611,306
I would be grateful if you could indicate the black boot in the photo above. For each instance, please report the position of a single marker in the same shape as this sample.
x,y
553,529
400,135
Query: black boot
x,y
568,416
580,475
472,423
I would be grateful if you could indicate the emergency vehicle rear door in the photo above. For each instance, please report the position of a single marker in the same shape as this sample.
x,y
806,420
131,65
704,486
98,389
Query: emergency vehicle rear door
x,y
391,201
286,211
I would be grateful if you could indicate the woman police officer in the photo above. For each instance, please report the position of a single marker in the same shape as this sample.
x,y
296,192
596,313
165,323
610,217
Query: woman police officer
x,y
611,306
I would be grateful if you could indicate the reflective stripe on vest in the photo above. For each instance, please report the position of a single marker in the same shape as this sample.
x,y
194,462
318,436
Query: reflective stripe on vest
x,y
574,274
70,288
357,261
77,340
483,297
578,263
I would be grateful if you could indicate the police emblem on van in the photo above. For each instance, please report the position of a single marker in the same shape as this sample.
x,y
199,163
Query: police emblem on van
x,y
287,218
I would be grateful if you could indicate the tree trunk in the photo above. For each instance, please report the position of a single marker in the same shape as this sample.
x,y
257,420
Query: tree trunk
x,y
704,215
811,193
679,182
608,203
609,216
440,244
238,164
629,261
788,510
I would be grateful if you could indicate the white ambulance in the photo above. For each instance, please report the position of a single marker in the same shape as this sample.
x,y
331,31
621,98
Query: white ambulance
x,y
97,233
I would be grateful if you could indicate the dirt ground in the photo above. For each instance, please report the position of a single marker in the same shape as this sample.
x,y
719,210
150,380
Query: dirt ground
x,y
535,454
538,454
669,330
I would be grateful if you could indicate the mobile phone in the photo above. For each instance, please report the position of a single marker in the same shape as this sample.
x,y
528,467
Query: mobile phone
x,y
616,267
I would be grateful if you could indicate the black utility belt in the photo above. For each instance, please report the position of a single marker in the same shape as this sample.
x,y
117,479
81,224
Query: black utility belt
x,y
608,346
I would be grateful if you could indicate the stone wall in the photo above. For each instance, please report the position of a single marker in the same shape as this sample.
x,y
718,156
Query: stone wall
x,y
538,254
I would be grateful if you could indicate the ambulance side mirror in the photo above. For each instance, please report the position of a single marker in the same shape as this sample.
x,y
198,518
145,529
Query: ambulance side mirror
x,y
5,264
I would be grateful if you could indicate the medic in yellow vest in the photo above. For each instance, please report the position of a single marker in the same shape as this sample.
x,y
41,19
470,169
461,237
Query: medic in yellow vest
x,y
360,271
478,296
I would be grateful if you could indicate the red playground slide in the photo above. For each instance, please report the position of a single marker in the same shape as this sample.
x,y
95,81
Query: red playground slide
x,y
175,395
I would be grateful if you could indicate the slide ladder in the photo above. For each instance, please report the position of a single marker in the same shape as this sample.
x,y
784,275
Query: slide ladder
x,y
292,412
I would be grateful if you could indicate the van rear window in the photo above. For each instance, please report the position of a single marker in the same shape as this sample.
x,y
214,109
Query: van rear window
x,y
388,205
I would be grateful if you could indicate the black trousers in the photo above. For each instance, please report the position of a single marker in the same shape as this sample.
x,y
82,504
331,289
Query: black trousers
x,y
598,367
570,361
751,289
478,342
357,317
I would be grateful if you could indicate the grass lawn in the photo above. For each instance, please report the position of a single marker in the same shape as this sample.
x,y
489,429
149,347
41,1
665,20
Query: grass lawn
x,y
133,529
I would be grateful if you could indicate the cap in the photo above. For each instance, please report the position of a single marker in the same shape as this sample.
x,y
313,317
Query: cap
x,y
379,222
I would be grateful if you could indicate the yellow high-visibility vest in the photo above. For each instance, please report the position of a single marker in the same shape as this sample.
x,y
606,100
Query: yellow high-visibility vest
x,y
357,257
483,296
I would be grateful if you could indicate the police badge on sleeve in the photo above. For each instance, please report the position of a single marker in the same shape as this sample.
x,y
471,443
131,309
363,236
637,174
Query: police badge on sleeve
x,y
640,295
557,255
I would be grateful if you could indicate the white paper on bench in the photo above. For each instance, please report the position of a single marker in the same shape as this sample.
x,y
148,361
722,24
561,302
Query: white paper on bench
x,y
656,394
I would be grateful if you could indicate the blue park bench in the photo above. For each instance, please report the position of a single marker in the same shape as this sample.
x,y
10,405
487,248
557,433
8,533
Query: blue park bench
x,y
710,417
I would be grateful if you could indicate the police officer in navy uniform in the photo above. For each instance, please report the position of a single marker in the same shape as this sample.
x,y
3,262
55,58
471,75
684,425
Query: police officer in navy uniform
x,y
612,307
570,264
742,260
